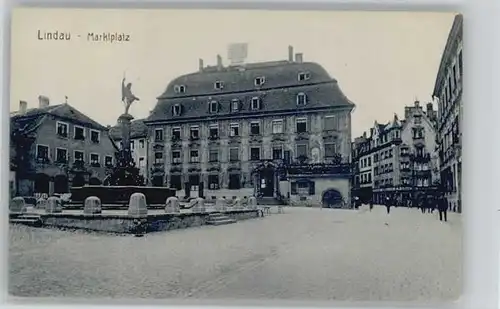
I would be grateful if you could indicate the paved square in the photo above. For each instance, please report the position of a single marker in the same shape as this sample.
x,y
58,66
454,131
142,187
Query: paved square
x,y
303,254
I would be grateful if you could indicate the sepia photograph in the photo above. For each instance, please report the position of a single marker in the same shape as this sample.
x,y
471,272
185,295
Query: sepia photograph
x,y
235,155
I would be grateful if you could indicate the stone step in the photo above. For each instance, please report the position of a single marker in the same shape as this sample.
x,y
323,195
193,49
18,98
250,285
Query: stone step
x,y
29,216
25,221
221,222
216,216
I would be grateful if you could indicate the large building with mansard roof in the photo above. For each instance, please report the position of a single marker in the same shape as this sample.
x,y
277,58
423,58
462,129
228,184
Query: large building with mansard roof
x,y
219,124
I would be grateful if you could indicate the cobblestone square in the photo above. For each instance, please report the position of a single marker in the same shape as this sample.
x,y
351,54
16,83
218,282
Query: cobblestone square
x,y
303,254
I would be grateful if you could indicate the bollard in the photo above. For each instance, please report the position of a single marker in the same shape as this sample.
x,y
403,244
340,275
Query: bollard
x,y
137,205
41,203
53,205
200,205
92,205
17,205
220,204
172,205
252,202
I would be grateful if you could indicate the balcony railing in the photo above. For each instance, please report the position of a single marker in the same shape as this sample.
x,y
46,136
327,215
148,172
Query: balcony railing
x,y
318,169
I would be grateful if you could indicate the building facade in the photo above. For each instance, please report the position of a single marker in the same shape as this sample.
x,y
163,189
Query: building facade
x,y
401,157
54,147
219,125
448,94
139,143
362,162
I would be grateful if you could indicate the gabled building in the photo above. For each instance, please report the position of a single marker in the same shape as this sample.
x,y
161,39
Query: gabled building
x,y
218,125
448,95
54,147
139,143
400,155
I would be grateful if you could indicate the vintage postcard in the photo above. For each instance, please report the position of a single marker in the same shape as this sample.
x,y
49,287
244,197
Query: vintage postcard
x,y
236,155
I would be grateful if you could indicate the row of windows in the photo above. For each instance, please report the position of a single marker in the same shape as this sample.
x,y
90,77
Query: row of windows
x,y
366,178
234,154
236,105
141,143
258,82
278,127
79,132
366,162
386,168
62,156
454,77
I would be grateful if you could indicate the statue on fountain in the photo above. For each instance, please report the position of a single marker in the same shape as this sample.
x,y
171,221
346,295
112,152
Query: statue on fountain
x,y
125,172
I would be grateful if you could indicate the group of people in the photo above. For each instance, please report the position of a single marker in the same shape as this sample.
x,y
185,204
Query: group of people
x,y
426,204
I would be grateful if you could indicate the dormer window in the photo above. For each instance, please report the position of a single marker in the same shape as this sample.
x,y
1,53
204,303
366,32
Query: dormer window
x,y
259,81
235,105
176,110
304,76
256,103
180,89
301,99
213,106
219,85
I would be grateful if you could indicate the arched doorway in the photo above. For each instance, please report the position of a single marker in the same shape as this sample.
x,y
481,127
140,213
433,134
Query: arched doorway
x,y
42,183
264,179
94,181
78,181
332,199
61,184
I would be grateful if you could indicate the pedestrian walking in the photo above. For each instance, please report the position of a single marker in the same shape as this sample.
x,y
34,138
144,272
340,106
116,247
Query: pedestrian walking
x,y
443,209
371,204
388,204
421,203
430,204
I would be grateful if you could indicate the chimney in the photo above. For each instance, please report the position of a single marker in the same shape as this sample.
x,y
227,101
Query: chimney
x,y
407,112
23,107
200,64
298,57
290,53
364,134
43,101
430,108
219,62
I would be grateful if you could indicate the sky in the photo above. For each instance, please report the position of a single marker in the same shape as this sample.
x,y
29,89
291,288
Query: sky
x,y
383,61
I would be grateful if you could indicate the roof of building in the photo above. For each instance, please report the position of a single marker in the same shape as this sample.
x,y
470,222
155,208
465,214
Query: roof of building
x,y
455,35
63,111
278,93
137,129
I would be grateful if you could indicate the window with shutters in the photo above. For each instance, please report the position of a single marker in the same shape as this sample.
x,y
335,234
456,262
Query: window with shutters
x,y
255,153
301,125
194,156
278,126
218,85
194,132
214,107
158,135
234,154
255,128
330,123
301,99
256,103
235,105
301,151
259,81
176,110
213,182
234,129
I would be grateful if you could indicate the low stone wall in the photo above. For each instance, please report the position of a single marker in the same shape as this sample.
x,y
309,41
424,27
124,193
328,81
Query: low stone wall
x,y
128,224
